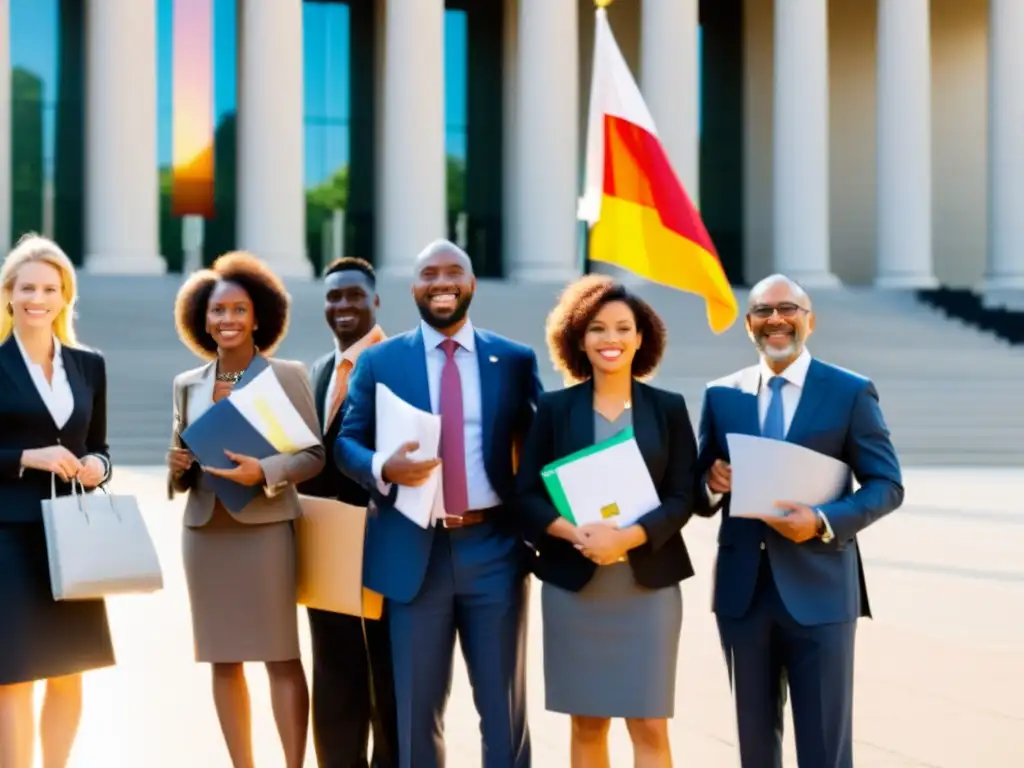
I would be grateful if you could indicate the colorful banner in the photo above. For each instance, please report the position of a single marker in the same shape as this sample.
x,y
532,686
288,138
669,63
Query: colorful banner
x,y
193,126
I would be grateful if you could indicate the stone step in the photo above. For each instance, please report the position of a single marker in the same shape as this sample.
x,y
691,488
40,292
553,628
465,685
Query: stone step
x,y
950,394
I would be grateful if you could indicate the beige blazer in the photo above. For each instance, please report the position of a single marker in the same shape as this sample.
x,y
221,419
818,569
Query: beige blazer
x,y
193,394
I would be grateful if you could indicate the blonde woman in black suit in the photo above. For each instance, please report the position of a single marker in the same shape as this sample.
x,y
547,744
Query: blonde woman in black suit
x,y
53,424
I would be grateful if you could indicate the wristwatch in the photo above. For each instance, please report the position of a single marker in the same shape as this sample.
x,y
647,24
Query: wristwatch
x,y
824,529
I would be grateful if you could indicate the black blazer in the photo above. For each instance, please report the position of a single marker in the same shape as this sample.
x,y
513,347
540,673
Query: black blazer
x,y
26,423
330,483
563,425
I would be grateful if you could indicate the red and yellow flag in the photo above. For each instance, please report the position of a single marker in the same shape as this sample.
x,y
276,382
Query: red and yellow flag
x,y
640,217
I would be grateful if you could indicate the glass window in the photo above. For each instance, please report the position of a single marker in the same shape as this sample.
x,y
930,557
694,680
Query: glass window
x,y
456,119
204,238
474,120
326,62
47,121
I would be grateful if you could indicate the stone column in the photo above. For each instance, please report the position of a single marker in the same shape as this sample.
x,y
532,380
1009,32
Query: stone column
x,y
800,143
547,181
904,155
271,146
121,185
670,82
1004,281
413,199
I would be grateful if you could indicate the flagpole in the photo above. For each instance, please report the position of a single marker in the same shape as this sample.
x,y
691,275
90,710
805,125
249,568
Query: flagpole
x,y
585,239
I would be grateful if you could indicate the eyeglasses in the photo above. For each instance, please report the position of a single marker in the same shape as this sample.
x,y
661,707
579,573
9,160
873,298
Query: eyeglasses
x,y
764,311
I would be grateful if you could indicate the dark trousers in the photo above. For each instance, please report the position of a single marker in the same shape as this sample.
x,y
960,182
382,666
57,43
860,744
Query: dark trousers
x,y
475,589
342,713
765,650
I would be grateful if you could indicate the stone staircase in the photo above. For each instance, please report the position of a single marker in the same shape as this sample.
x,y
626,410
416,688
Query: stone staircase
x,y
951,395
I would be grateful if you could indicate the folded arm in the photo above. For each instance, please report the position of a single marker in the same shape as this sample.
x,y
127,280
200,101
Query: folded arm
x,y
870,453
286,469
524,419
676,489
96,438
533,504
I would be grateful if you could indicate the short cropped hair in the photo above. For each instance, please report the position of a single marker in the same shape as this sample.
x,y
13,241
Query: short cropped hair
x,y
270,301
352,264
579,303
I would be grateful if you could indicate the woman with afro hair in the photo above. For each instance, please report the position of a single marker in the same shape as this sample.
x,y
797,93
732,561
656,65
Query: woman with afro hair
x,y
611,601
240,567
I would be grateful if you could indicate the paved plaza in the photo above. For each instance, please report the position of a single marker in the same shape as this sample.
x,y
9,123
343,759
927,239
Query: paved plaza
x,y
939,670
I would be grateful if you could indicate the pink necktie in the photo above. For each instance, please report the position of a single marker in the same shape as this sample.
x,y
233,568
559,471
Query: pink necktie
x,y
453,435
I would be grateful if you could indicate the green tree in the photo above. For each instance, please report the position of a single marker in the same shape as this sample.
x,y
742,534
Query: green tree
x,y
456,178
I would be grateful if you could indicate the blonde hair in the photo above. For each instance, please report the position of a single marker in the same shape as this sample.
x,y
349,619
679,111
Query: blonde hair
x,y
36,248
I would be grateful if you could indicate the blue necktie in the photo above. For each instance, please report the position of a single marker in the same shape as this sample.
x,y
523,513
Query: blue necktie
x,y
774,420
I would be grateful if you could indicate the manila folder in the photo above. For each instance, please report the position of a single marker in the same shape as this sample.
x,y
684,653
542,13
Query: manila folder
x,y
329,540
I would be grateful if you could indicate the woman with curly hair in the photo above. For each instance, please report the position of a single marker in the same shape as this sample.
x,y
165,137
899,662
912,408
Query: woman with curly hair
x,y
611,602
240,567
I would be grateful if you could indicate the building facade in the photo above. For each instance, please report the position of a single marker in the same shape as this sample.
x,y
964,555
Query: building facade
x,y
840,141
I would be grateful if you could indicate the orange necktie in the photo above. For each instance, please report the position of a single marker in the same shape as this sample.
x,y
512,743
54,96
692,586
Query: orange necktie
x,y
340,390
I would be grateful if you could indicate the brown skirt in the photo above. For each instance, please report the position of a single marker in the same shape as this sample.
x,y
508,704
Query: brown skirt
x,y
241,586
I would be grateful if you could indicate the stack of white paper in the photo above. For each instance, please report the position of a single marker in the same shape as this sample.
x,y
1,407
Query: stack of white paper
x,y
610,482
765,471
398,423
265,405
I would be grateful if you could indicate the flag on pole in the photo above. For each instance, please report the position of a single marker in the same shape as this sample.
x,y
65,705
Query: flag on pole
x,y
639,215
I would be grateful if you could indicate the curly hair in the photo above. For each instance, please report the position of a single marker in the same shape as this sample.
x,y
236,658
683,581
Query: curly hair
x,y
568,321
270,302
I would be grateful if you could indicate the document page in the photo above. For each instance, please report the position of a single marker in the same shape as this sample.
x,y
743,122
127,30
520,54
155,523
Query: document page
x,y
398,422
265,405
608,482
765,471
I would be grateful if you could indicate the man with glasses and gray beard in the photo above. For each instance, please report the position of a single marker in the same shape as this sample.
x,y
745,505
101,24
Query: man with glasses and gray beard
x,y
789,590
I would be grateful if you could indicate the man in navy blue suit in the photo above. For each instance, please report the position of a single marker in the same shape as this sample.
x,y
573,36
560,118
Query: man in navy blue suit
x,y
789,590
466,576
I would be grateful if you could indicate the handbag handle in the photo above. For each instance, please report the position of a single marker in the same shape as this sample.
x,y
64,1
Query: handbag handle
x,y
78,491
76,485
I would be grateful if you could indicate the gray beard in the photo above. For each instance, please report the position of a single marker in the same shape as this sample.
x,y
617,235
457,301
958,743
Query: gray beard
x,y
780,355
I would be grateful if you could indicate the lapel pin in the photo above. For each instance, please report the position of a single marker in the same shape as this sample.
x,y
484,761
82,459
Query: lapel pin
x,y
493,359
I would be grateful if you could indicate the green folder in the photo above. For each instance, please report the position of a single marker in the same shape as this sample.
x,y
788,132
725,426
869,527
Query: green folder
x,y
549,474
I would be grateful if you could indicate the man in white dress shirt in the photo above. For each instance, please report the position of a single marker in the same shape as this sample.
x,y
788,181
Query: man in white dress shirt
x,y
789,590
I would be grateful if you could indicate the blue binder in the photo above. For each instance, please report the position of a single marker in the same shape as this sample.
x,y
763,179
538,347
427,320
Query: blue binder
x,y
223,428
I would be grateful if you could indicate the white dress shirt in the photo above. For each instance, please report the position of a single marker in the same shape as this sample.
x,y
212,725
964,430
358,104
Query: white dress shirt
x,y
795,376
376,334
481,494
56,393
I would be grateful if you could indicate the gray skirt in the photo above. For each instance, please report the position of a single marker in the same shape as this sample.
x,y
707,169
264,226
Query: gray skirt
x,y
241,588
610,650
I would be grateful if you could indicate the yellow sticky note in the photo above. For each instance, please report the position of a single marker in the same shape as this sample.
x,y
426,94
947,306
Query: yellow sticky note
x,y
610,510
